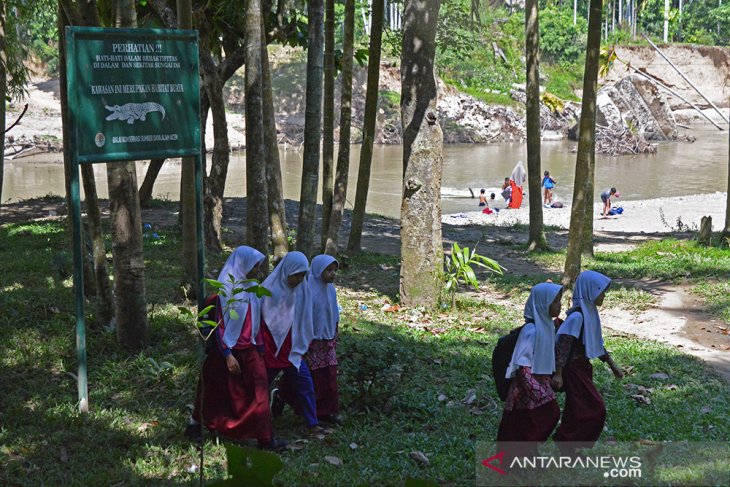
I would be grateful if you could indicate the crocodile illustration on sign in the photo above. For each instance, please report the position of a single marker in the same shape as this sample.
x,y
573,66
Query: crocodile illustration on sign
x,y
134,111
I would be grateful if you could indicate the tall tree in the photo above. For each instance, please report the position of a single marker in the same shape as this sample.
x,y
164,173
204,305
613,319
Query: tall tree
x,y
98,275
368,127
3,92
328,116
148,183
188,225
312,128
275,200
257,218
343,156
726,229
421,241
126,224
532,52
583,186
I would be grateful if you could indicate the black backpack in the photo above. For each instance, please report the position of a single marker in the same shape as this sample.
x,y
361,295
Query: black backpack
x,y
501,357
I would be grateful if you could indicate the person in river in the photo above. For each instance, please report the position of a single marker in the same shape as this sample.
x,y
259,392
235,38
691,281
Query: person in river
x,y
516,182
483,198
606,199
580,339
548,184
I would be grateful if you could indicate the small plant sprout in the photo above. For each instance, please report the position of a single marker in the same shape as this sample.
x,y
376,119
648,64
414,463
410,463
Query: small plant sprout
x,y
459,269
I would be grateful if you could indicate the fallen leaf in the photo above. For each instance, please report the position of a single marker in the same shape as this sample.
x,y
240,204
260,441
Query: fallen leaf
x,y
390,308
295,446
437,331
471,396
144,426
333,461
476,412
629,369
660,375
437,361
648,442
353,446
419,457
442,398
640,399
672,387
192,468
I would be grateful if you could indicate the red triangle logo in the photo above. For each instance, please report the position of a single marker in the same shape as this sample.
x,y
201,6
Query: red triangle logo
x,y
488,463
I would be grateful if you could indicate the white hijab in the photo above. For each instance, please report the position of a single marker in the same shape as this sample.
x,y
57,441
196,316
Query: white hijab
x,y
289,309
535,346
325,312
236,268
588,286
518,174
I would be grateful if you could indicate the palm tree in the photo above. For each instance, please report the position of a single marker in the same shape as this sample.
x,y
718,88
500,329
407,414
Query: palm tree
x,y
3,91
343,156
328,116
368,127
532,52
585,159
257,219
312,128
421,240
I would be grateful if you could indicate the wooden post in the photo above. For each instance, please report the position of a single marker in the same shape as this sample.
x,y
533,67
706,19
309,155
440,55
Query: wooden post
x,y
686,79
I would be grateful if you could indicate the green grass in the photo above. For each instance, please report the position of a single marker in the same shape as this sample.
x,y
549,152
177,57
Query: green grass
x,y
562,81
394,367
707,269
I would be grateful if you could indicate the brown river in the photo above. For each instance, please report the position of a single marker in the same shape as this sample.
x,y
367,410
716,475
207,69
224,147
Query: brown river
x,y
677,169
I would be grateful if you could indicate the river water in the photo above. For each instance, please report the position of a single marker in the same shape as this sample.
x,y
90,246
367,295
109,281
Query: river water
x,y
677,169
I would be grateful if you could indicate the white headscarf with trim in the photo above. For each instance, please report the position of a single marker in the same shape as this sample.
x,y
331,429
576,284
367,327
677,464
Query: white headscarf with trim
x,y
518,174
325,312
535,346
236,268
289,309
588,286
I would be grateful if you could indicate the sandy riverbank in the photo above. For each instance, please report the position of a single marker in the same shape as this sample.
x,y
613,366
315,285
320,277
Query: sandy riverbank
x,y
640,216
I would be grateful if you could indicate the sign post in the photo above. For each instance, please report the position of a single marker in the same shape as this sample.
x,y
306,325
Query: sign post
x,y
132,94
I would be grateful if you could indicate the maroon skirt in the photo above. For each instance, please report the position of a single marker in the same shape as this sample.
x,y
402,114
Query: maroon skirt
x,y
235,406
585,412
325,391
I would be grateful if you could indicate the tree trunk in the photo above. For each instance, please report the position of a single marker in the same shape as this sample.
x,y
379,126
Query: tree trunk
x,y
343,156
536,239
368,128
328,117
188,225
98,275
312,129
216,181
129,286
275,200
257,218
726,229
421,245
587,247
582,190
3,91
145,191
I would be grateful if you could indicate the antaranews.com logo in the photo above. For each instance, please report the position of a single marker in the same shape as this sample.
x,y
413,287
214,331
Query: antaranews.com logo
x,y
626,463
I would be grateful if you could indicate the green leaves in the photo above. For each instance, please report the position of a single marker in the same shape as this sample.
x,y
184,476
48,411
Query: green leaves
x,y
459,268
249,467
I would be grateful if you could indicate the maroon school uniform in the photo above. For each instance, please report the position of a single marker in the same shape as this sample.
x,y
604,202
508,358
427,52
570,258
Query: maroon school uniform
x,y
585,412
322,361
235,406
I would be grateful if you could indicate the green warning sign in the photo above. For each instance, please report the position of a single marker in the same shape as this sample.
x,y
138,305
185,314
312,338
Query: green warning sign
x,y
133,93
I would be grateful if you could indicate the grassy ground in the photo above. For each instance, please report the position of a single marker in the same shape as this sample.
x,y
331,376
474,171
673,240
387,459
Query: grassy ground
x,y
706,269
407,378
